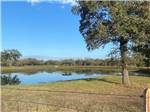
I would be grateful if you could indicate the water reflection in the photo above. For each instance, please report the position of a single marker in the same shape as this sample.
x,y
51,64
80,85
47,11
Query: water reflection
x,y
45,77
9,79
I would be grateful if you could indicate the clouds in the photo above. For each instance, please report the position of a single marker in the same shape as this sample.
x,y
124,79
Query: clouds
x,y
71,2
33,1
63,2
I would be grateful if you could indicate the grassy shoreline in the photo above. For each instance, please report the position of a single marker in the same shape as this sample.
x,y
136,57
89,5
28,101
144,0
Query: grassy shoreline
x,y
108,89
62,68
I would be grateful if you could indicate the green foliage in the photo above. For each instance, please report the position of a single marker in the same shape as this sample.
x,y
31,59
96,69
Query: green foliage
x,y
137,59
67,62
51,62
119,22
145,51
84,62
9,57
130,21
29,61
7,79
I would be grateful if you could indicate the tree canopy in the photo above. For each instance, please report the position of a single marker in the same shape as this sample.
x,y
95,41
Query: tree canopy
x,y
10,56
110,21
123,23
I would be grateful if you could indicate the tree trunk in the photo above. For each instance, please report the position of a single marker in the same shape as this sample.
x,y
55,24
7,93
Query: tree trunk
x,y
124,50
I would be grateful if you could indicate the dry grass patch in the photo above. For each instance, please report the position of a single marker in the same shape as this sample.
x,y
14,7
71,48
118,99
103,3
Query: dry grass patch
x,y
90,95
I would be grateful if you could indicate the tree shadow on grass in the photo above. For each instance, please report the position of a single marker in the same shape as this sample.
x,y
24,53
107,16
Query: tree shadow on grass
x,y
94,79
102,79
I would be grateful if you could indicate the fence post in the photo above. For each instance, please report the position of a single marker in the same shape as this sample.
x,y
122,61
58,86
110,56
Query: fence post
x,y
147,100
18,108
2,106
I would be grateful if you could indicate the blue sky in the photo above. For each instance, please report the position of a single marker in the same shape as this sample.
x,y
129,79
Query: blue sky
x,y
44,29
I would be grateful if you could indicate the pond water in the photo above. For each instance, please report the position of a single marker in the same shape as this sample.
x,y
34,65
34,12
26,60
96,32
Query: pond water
x,y
44,77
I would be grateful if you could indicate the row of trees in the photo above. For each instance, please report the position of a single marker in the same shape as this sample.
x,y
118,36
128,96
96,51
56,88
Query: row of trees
x,y
12,58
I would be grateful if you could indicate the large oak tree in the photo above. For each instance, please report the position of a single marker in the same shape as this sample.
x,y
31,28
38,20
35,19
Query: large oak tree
x,y
125,23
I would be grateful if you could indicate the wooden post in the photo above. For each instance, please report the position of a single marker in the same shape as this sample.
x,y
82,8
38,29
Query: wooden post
x,y
147,100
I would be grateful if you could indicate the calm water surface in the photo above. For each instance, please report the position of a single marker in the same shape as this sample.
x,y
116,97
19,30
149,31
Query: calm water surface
x,y
45,77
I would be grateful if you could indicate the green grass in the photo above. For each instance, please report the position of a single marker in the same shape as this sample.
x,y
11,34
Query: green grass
x,y
110,95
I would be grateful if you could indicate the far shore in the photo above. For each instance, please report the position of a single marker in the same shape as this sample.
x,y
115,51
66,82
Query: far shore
x,y
32,68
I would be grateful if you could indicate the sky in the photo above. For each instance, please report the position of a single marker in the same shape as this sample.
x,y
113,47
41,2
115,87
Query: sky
x,y
44,30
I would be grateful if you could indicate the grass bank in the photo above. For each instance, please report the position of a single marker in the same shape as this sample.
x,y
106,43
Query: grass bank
x,y
61,68
104,94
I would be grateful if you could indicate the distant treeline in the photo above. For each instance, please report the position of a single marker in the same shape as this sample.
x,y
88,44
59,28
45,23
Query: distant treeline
x,y
75,62
68,62
12,58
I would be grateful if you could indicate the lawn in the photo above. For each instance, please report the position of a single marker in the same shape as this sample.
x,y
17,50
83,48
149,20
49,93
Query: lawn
x,y
104,94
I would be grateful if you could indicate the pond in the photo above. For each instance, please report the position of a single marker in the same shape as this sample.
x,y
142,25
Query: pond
x,y
45,77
